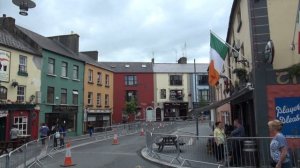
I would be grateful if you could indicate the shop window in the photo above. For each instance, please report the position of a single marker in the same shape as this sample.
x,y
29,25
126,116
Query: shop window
x,y
203,95
63,96
21,122
3,92
50,95
202,80
130,80
131,95
21,94
90,98
90,76
99,78
75,72
64,69
107,80
75,97
163,93
106,100
175,80
176,95
68,119
51,66
98,99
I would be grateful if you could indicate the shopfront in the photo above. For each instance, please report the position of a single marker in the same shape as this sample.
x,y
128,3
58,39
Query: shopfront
x,y
61,114
99,118
175,110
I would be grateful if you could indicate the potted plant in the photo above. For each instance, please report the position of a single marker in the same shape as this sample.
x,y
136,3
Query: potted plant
x,y
14,84
241,74
131,108
294,71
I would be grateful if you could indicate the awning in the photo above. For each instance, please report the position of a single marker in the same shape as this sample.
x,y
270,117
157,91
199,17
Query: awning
x,y
222,102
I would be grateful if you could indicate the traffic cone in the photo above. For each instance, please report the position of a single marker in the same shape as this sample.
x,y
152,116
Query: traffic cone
x,y
115,140
68,158
142,133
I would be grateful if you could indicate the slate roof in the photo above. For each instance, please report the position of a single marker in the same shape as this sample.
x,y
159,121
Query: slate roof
x,y
8,40
137,67
49,44
89,60
179,68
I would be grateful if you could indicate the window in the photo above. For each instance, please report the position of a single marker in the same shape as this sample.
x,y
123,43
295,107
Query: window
x,y
239,19
130,80
63,96
176,95
203,95
64,69
202,80
163,93
51,65
98,99
90,98
21,123
75,97
131,95
75,72
90,76
22,64
106,100
21,94
99,78
106,80
50,95
176,80
3,92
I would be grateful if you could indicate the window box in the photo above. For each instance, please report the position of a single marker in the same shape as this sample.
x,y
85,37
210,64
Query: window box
x,y
22,73
107,86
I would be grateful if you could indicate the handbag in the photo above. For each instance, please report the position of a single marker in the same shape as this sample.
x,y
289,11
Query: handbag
x,y
57,134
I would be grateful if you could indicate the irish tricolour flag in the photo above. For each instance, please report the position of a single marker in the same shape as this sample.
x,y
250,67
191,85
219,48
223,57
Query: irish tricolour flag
x,y
218,51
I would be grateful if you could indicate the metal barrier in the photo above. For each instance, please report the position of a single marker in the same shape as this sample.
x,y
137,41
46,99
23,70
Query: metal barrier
x,y
31,153
201,151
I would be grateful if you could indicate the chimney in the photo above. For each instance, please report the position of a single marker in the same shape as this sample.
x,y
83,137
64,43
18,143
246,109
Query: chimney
x,y
182,60
7,23
71,41
152,60
91,54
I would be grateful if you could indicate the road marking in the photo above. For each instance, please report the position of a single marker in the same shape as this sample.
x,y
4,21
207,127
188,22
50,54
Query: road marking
x,y
108,153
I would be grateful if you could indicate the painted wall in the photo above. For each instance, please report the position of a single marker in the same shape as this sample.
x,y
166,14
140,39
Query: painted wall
x,y
58,83
32,81
145,93
192,82
282,20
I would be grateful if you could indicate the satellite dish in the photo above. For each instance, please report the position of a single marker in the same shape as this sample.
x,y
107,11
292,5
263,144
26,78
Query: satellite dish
x,y
24,5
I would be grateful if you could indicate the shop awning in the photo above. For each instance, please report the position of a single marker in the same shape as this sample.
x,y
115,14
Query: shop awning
x,y
222,102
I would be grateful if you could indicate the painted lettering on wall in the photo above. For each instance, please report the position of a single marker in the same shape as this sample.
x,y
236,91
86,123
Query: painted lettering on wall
x,y
288,112
4,65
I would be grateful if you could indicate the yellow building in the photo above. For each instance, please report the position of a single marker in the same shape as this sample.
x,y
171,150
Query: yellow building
x,y
20,82
98,91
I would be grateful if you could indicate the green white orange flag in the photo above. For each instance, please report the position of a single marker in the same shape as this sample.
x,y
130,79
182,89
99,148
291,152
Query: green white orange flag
x,y
218,52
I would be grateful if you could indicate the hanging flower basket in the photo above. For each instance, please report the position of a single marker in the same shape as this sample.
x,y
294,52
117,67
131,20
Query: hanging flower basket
x,y
241,74
14,84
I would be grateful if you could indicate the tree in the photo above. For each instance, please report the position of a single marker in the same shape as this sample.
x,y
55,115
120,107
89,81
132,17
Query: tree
x,y
131,107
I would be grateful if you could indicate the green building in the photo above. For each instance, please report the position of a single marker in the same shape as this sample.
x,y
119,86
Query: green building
x,y
62,76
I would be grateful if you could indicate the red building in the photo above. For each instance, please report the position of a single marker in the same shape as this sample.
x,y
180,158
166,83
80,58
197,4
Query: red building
x,y
133,81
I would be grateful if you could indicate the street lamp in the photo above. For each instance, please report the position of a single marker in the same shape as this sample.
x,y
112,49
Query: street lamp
x,y
24,5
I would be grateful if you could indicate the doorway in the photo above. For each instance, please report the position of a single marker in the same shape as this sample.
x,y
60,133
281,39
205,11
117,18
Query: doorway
x,y
2,128
158,114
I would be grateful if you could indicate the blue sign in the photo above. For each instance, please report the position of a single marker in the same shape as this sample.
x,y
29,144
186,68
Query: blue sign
x,y
288,112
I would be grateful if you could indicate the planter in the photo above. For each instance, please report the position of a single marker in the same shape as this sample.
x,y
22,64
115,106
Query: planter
x,y
241,74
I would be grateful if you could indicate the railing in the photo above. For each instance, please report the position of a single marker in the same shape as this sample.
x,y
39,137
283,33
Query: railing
x,y
201,151
31,153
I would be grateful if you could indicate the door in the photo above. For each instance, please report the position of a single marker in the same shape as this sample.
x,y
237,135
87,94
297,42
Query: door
x,y
2,128
158,114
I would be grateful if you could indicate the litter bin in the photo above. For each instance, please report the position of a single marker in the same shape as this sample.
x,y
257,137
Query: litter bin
x,y
250,153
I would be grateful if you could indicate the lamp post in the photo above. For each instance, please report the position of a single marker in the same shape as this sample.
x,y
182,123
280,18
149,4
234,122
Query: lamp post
x,y
196,97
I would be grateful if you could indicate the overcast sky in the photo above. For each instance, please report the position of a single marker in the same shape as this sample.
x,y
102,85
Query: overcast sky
x,y
131,30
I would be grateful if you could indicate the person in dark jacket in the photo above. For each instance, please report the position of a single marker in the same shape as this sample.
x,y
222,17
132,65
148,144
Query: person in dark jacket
x,y
62,133
237,143
44,133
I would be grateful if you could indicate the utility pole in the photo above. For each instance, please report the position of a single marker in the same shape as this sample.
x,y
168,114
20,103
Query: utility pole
x,y
196,97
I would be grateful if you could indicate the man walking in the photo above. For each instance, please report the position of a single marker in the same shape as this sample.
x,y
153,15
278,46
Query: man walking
x,y
44,130
236,144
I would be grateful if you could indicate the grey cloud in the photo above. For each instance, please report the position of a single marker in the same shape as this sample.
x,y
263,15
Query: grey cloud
x,y
130,30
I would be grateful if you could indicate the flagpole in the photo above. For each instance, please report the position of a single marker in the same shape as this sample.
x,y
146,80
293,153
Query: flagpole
x,y
228,45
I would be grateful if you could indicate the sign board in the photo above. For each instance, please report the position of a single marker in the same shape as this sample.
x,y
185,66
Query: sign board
x,y
3,113
91,118
4,65
64,109
288,112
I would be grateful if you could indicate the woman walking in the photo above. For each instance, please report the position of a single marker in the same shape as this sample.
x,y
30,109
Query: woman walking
x,y
219,136
278,146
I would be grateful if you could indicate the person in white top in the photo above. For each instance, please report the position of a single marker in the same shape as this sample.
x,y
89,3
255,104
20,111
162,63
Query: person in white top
x,y
219,137
14,133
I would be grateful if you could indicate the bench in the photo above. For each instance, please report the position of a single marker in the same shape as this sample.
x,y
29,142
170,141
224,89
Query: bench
x,y
169,141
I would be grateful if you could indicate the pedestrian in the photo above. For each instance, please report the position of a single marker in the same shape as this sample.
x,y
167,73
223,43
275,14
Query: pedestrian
x,y
44,133
62,133
90,129
237,143
55,133
219,137
14,133
278,146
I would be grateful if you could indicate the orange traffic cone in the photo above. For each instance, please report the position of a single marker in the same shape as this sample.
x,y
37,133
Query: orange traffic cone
x,y
142,133
68,158
115,140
